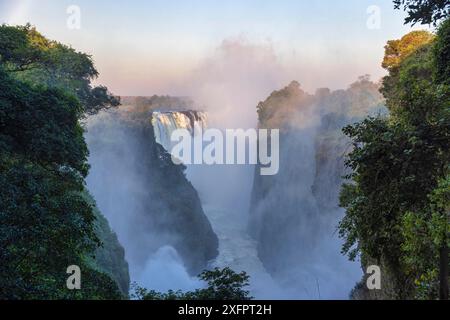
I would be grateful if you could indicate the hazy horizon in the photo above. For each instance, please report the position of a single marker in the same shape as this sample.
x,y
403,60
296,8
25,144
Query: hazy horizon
x,y
143,48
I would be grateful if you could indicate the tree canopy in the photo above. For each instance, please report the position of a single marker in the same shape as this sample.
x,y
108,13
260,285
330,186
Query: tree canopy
x,y
400,166
222,284
32,58
46,224
424,11
398,50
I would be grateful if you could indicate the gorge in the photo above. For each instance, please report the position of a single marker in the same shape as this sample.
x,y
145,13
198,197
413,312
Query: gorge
x,y
149,203
235,182
176,220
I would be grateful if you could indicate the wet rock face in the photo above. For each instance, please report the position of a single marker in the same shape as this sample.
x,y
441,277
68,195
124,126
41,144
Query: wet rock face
x,y
165,123
146,198
293,211
110,256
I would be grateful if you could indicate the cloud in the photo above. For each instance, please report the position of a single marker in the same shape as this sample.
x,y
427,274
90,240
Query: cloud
x,y
233,79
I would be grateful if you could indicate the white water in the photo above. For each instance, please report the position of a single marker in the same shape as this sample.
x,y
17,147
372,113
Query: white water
x,y
165,123
225,193
225,204
320,272
238,251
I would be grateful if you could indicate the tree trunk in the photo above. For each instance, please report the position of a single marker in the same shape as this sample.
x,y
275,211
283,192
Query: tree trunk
x,y
443,272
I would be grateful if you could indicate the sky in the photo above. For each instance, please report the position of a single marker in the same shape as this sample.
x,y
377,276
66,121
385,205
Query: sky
x,y
155,47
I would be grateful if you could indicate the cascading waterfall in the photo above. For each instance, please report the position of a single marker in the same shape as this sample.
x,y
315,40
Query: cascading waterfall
x,y
154,210
289,247
225,207
164,123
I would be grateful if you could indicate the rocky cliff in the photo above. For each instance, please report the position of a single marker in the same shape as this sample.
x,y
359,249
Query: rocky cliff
x,y
294,214
147,199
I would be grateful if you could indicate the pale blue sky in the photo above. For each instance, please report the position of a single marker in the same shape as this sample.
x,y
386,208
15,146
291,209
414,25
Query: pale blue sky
x,y
143,47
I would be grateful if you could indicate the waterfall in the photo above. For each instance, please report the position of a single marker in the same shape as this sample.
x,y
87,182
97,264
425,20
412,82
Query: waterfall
x,y
159,221
164,123
284,238
225,204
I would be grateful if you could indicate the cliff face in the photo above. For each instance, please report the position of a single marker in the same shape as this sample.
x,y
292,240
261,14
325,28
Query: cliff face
x,y
294,213
338,109
282,206
147,199
110,256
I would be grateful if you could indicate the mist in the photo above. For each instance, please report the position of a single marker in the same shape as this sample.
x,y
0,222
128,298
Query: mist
x,y
228,86
125,180
230,82
165,270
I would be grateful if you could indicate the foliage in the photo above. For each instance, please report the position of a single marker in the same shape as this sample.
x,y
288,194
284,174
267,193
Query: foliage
x,y
384,163
32,58
397,50
46,224
424,11
41,123
397,163
424,233
17,52
222,284
442,54
109,256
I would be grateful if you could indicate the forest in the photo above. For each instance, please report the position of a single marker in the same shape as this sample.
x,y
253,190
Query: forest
x,y
396,195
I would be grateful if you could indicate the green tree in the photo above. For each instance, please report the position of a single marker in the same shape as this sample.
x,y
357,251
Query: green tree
x,y
425,242
442,54
397,163
398,50
32,58
424,11
46,224
222,284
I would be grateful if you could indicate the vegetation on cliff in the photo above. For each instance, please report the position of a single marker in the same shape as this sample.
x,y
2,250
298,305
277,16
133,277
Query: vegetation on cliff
x,y
310,126
46,223
397,208
222,284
